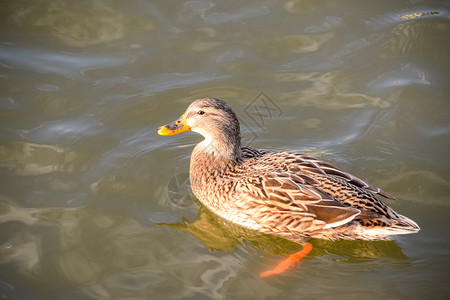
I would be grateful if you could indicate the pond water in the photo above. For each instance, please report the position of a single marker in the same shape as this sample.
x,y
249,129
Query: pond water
x,y
95,205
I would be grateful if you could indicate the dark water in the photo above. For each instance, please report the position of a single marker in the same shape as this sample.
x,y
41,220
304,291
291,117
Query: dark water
x,y
95,205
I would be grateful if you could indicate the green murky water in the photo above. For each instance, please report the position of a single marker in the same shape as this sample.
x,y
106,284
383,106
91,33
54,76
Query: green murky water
x,y
95,205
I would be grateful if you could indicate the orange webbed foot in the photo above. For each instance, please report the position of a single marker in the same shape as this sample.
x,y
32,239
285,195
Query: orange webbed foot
x,y
289,262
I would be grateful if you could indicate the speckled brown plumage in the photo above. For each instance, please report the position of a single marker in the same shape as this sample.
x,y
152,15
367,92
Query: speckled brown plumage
x,y
282,193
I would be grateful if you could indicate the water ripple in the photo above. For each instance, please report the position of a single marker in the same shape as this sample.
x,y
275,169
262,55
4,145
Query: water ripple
x,y
405,75
167,81
399,16
241,14
65,132
411,31
329,23
47,61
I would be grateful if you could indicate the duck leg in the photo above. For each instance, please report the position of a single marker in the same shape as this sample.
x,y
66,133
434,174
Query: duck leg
x,y
289,262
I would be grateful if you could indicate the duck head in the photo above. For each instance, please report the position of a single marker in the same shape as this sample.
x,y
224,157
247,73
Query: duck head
x,y
216,122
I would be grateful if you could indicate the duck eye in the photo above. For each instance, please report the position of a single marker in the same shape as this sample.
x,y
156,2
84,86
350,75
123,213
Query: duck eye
x,y
201,112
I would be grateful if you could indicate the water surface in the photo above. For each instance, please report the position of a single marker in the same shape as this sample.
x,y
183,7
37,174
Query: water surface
x,y
95,205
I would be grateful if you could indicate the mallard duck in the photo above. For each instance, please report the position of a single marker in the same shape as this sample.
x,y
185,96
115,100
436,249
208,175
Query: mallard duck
x,y
281,193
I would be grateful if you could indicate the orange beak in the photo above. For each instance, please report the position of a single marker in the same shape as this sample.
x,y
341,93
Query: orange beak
x,y
175,127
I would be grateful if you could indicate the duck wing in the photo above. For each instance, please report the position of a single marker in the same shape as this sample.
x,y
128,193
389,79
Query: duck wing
x,y
284,202
312,162
300,163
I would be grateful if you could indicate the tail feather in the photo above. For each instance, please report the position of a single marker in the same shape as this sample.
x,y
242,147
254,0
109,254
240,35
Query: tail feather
x,y
406,224
402,225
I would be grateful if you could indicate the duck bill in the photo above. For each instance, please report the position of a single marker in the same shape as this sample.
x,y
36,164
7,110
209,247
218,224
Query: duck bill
x,y
175,127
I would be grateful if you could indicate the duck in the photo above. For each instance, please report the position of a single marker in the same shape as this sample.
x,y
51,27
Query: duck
x,y
282,193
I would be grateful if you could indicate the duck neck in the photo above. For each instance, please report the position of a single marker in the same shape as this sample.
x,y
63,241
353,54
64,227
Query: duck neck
x,y
222,146
211,161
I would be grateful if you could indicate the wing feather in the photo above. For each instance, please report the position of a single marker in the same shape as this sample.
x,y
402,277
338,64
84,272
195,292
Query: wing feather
x,y
286,202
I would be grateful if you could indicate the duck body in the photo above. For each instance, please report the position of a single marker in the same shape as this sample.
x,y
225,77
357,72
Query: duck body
x,y
282,193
